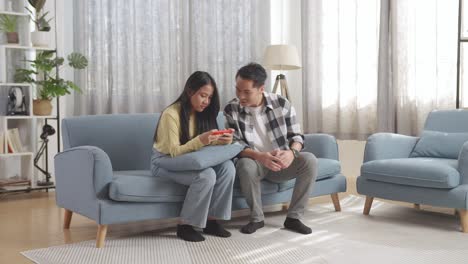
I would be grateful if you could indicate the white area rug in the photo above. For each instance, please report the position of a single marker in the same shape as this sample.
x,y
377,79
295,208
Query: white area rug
x,y
391,234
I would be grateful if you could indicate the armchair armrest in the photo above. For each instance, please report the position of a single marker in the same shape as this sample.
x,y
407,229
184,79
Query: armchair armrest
x,y
82,176
321,145
388,146
463,164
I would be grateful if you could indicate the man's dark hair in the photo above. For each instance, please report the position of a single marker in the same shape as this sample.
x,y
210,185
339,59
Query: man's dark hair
x,y
254,72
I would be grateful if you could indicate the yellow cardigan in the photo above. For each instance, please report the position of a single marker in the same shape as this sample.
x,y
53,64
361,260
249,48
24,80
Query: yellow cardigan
x,y
169,130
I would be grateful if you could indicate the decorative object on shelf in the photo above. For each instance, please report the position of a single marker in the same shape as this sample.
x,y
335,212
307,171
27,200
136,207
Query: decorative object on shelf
x,y
282,58
8,25
47,130
49,84
16,102
40,37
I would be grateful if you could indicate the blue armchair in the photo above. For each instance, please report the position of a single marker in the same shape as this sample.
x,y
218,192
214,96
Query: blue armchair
x,y
431,169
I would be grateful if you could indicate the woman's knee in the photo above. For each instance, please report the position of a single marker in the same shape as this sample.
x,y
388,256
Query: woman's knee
x,y
208,176
226,170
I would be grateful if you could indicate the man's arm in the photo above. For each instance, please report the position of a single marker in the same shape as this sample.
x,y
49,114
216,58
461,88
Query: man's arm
x,y
294,134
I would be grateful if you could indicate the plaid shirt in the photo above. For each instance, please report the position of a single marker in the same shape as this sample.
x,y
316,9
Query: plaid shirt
x,y
282,127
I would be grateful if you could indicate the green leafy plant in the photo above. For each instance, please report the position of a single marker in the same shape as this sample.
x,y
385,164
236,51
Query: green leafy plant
x,y
40,20
49,84
8,23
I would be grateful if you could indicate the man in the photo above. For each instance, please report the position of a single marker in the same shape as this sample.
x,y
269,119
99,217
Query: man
x,y
266,124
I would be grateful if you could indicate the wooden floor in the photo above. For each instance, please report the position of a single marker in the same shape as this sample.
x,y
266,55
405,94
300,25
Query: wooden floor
x,y
32,220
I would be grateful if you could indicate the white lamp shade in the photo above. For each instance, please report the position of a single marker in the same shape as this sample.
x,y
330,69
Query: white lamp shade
x,y
281,57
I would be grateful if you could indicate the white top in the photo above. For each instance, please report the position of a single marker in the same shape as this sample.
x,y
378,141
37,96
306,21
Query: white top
x,y
260,138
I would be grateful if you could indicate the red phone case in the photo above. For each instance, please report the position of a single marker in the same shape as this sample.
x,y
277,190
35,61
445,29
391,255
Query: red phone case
x,y
220,132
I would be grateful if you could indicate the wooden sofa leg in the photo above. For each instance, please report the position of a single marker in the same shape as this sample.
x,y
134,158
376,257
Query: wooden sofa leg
x,y
417,206
67,216
336,201
368,205
463,219
101,236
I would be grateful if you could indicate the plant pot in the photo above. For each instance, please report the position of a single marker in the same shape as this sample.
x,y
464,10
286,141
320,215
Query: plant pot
x,y
42,107
12,37
40,38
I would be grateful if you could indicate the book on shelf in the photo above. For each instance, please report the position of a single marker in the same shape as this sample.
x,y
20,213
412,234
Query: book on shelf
x,y
13,141
15,181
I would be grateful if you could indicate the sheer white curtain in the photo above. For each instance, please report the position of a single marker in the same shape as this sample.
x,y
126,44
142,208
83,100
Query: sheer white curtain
x,y
424,60
142,51
340,41
373,66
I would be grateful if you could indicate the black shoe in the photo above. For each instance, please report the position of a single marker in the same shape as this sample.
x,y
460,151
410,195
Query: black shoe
x,y
187,233
216,229
251,227
296,225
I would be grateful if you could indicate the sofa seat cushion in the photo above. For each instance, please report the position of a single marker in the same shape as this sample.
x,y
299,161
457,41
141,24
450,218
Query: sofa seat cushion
x,y
141,186
421,172
326,168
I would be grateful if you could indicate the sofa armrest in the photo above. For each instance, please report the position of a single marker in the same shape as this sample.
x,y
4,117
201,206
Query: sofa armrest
x,y
321,145
82,176
463,164
388,146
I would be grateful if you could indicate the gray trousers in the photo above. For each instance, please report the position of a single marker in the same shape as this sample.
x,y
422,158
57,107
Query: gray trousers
x,y
209,192
251,172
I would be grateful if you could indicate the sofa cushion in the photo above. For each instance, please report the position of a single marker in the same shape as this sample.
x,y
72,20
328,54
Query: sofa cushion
x,y
141,186
439,144
326,168
201,159
421,172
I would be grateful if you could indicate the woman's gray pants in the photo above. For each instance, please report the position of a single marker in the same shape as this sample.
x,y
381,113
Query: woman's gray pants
x,y
209,191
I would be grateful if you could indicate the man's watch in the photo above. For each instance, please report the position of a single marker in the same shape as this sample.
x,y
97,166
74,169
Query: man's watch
x,y
295,153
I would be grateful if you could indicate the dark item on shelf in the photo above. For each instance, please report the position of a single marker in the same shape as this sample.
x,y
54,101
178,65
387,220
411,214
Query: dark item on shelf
x,y
16,102
47,130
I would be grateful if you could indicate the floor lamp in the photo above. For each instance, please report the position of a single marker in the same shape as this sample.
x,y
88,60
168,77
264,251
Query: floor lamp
x,y
282,58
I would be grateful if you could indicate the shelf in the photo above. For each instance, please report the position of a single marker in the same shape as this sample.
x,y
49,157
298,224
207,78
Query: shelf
x,y
30,117
21,154
26,188
17,46
15,84
3,12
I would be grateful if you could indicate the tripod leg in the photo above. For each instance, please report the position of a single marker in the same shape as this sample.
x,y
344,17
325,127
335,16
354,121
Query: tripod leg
x,y
284,89
275,87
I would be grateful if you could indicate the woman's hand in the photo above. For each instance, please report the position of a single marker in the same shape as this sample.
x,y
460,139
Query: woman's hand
x,y
226,138
207,137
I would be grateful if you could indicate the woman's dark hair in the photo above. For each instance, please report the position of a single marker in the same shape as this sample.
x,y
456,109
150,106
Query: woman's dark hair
x,y
206,120
254,72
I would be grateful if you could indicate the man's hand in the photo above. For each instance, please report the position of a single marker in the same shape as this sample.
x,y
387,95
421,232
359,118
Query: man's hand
x,y
273,163
286,157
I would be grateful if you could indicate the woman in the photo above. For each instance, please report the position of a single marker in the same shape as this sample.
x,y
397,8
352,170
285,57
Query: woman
x,y
185,126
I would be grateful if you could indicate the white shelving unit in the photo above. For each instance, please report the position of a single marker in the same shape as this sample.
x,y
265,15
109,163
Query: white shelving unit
x,y
19,165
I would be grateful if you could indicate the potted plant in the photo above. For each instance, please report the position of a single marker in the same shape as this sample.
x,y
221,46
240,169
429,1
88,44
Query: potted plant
x,y
39,37
42,73
8,25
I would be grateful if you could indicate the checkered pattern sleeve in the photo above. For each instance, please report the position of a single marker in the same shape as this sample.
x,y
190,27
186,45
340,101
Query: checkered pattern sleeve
x,y
231,114
294,133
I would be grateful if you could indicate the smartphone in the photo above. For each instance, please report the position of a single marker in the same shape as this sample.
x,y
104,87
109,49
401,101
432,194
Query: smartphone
x,y
220,132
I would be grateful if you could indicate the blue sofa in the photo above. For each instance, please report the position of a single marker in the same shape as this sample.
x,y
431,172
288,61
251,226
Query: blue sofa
x,y
104,173
431,169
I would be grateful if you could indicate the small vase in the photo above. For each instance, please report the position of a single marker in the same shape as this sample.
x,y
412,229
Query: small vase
x,y
12,37
40,38
42,107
